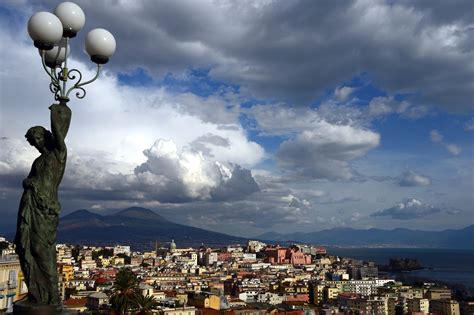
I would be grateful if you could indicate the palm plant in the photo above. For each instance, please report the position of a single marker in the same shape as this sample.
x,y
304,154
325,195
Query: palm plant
x,y
144,305
125,291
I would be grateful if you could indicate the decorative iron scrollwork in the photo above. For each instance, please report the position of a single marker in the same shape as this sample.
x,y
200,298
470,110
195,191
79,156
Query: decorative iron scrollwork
x,y
59,75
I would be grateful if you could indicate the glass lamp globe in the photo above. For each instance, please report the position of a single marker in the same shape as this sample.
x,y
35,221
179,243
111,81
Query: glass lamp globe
x,y
45,29
57,55
100,45
71,16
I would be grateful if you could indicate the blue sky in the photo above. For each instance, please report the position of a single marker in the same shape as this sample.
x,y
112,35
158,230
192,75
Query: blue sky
x,y
255,116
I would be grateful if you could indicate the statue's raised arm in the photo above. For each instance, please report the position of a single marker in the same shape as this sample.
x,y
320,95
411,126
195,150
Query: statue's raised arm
x,y
60,121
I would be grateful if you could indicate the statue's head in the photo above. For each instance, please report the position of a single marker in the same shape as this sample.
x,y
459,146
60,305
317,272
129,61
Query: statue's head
x,y
39,137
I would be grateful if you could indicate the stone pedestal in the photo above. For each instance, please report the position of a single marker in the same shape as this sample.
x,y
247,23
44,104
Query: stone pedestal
x,y
28,308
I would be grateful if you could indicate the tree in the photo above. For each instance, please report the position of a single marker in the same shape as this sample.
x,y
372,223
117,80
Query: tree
x,y
104,252
125,291
145,305
127,259
75,252
3,245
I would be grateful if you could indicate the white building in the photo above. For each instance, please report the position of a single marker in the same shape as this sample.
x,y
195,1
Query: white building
x,y
255,246
120,249
270,298
179,311
96,300
249,257
249,296
256,266
210,258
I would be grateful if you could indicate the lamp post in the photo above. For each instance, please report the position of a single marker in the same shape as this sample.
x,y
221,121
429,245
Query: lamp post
x,y
39,209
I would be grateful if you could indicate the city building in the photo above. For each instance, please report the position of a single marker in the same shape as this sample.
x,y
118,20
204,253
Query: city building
x,y
444,307
121,249
257,279
283,255
12,286
418,305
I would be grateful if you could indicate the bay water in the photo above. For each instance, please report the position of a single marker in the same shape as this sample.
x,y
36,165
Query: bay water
x,y
454,266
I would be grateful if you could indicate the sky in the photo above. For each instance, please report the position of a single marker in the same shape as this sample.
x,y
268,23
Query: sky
x,y
245,117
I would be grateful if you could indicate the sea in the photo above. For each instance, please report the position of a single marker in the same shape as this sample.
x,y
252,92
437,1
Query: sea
x,y
453,266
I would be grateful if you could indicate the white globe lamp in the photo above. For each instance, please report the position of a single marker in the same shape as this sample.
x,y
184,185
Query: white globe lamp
x,y
45,29
72,18
57,55
100,45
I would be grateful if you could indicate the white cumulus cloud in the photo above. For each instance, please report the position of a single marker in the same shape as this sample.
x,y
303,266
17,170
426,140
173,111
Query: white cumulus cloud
x,y
193,176
410,178
408,209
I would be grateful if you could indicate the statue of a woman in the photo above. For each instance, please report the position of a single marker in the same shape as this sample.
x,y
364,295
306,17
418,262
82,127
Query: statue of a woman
x,y
38,214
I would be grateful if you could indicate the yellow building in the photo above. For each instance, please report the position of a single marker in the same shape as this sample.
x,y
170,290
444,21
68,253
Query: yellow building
x,y
214,302
67,272
330,293
149,255
12,287
117,261
104,262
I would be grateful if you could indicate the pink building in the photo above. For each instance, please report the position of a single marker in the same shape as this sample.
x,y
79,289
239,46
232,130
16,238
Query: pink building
x,y
284,255
224,256
276,255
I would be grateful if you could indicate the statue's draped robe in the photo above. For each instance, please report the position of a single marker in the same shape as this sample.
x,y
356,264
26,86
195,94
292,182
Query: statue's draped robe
x,y
38,215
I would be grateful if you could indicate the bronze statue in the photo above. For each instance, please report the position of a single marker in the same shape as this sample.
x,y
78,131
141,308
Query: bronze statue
x,y
38,214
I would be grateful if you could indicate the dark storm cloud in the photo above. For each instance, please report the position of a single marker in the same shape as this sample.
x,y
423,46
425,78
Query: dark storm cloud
x,y
294,50
240,184
443,12
260,210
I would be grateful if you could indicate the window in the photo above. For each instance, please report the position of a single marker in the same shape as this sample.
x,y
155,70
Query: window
x,y
12,277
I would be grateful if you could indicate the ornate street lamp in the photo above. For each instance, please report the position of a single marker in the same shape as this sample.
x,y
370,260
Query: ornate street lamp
x,y
51,34
38,214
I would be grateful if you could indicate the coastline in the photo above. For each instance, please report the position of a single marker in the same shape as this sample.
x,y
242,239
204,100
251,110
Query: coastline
x,y
450,267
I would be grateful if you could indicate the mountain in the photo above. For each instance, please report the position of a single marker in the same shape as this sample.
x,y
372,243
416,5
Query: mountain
x,y
134,226
459,239
141,227
140,213
82,218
